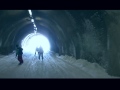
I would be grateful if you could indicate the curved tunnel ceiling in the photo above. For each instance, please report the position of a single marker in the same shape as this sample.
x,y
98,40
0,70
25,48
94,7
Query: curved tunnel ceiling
x,y
52,21
61,23
42,20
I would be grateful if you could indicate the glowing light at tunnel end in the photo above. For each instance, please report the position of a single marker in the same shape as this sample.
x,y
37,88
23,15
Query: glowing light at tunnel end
x,y
31,41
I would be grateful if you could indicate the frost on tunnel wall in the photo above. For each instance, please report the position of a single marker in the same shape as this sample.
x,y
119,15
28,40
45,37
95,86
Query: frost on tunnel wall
x,y
92,46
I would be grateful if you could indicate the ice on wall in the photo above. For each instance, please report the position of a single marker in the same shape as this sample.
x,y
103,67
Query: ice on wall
x,y
92,46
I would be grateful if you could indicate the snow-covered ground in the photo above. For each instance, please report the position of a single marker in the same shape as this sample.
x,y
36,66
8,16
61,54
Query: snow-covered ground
x,y
53,66
94,69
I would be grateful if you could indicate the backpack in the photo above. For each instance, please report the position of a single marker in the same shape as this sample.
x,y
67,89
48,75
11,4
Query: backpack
x,y
20,51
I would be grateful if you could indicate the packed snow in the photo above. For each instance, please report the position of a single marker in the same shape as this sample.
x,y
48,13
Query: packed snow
x,y
52,66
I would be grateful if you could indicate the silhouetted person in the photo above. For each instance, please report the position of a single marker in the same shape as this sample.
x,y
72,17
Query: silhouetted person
x,y
40,52
19,52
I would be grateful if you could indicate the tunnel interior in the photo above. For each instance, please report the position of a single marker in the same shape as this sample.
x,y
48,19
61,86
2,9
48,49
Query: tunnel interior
x,y
87,34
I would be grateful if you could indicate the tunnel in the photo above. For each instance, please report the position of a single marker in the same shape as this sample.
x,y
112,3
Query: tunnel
x,y
84,34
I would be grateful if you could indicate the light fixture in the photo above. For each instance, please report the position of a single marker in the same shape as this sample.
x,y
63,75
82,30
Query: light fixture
x,y
32,20
30,12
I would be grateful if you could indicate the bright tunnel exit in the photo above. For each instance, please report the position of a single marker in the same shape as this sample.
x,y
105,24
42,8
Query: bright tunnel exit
x,y
32,41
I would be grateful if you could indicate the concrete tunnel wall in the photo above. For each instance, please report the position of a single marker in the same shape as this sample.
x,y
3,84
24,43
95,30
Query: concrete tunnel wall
x,y
87,34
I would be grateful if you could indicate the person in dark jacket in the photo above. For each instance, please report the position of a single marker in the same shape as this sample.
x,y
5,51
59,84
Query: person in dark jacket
x,y
40,52
19,52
